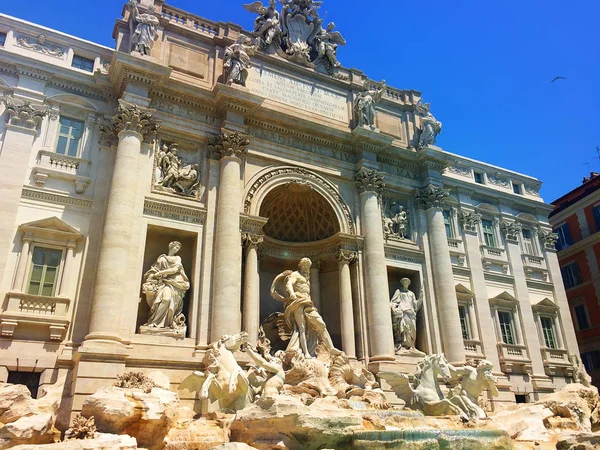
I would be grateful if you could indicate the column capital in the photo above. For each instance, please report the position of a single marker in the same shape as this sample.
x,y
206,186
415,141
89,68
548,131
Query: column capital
x,y
470,220
24,115
369,180
229,143
107,136
252,239
27,237
511,231
548,239
345,256
430,197
130,117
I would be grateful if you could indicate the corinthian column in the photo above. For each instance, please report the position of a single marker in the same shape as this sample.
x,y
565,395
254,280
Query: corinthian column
x,y
370,184
344,258
132,125
431,200
251,309
230,147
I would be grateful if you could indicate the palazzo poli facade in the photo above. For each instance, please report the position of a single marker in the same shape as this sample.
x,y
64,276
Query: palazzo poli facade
x,y
108,155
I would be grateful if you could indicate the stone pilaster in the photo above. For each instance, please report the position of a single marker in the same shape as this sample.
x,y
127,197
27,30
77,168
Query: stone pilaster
x,y
251,303
22,128
132,125
431,199
315,284
381,340
344,259
230,147
22,265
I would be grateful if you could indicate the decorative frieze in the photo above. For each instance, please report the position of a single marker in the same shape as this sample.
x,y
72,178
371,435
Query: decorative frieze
x,y
25,115
395,220
460,169
172,211
404,255
369,180
498,179
470,221
40,44
45,196
431,197
230,144
511,230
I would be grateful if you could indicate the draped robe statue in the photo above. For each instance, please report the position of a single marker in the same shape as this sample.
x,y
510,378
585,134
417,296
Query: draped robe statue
x,y
404,306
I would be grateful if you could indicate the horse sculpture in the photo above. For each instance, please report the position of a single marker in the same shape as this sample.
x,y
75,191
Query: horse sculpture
x,y
223,380
427,396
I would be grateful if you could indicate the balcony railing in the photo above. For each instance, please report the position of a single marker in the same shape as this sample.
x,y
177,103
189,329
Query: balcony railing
x,y
494,253
514,355
472,347
24,309
556,360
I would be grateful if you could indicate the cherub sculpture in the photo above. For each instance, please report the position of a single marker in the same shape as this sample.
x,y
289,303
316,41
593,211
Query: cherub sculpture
x,y
325,43
266,25
431,127
364,104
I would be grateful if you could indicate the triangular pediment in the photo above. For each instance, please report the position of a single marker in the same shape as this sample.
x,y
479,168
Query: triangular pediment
x,y
504,299
51,227
463,292
545,305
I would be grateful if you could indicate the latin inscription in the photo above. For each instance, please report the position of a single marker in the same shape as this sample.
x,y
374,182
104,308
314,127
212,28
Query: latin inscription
x,y
298,94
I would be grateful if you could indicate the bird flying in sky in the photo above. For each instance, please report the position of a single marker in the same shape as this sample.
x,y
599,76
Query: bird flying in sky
x,y
557,78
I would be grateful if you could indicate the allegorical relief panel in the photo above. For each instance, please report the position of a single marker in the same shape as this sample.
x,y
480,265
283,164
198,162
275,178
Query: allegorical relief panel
x,y
177,170
396,223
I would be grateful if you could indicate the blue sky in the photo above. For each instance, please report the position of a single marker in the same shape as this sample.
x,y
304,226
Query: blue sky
x,y
484,66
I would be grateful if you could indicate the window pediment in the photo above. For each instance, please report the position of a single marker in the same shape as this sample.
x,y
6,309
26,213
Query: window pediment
x,y
463,293
545,306
51,228
505,300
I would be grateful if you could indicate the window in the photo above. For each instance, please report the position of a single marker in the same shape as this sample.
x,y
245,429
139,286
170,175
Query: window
x,y
79,62
2,39
489,234
564,236
517,188
448,224
528,246
478,177
571,275
506,327
596,212
30,379
591,360
69,136
44,271
463,312
548,332
521,398
581,317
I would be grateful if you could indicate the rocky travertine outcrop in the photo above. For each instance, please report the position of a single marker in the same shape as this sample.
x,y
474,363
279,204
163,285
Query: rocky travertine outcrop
x,y
100,442
580,441
147,416
24,420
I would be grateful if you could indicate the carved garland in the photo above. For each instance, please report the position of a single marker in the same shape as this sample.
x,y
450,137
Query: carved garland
x,y
307,175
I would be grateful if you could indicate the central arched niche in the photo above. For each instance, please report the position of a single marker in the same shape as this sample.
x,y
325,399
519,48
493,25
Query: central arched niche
x,y
297,213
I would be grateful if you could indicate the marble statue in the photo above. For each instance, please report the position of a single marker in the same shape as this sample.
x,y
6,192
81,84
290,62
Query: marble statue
x,y
473,381
165,285
266,25
580,375
364,104
395,221
306,325
273,376
431,127
325,43
404,306
143,27
425,394
223,380
173,176
237,61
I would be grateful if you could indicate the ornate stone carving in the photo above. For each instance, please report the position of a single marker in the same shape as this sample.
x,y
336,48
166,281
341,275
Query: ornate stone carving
x,y
236,61
395,220
511,230
345,256
532,190
135,380
364,104
143,28
369,180
251,239
131,117
41,44
165,285
267,24
431,197
430,126
25,115
229,143
404,307
548,239
107,136
473,381
173,175
459,169
498,179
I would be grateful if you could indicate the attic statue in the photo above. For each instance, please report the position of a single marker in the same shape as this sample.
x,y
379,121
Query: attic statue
x,y
237,61
143,28
364,104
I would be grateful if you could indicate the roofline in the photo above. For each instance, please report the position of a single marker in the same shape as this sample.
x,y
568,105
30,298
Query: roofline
x,y
60,33
502,169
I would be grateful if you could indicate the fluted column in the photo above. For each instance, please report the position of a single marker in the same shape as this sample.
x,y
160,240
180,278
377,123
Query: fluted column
x,y
230,147
132,124
431,199
22,265
251,309
315,284
381,340
344,258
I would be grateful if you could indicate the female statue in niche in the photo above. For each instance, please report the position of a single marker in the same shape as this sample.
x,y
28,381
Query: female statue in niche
x,y
164,286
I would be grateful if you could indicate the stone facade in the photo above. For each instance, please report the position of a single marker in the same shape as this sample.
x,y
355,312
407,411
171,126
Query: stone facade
x,y
263,174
